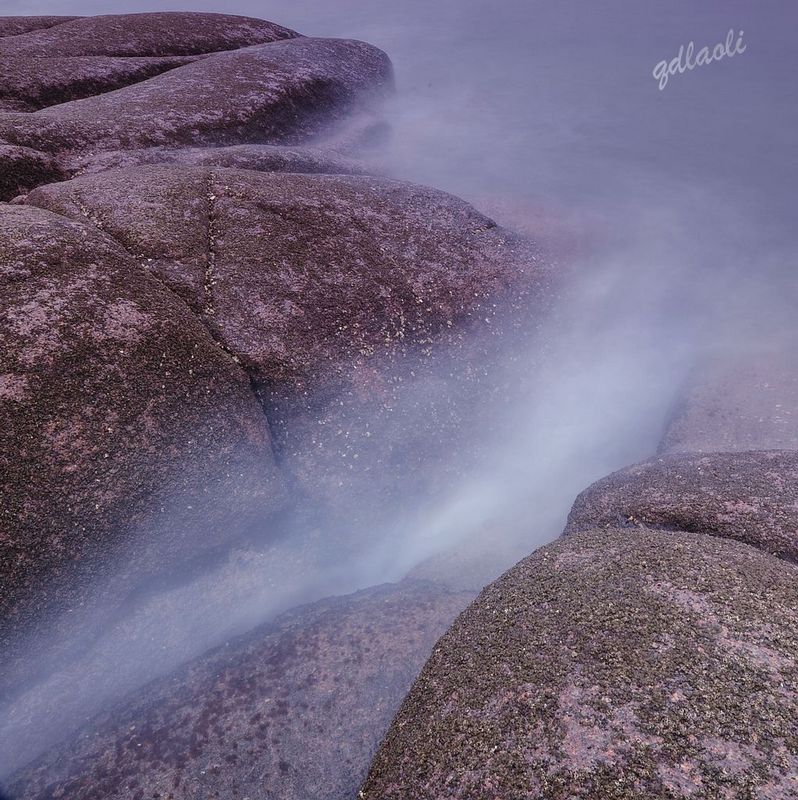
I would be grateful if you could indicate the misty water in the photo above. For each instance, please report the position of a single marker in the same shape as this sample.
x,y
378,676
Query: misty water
x,y
674,211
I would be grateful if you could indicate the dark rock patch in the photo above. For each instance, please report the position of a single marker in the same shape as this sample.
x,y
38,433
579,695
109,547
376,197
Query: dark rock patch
x,y
22,169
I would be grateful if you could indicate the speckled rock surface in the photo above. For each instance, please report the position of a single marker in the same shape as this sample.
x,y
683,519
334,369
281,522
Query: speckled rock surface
x,y
748,401
117,406
167,33
610,664
751,497
292,710
22,169
330,290
29,84
13,26
257,157
279,93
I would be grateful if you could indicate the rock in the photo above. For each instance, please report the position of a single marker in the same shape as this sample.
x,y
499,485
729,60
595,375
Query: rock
x,y
258,157
167,33
751,497
124,424
22,169
745,401
624,664
294,709
280,93
13,26
29,84
333,292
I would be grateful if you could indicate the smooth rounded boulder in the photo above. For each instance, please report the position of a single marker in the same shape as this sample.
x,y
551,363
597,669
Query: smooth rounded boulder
x,y
284,92
293,709
124,425
625,664
748,496
336,293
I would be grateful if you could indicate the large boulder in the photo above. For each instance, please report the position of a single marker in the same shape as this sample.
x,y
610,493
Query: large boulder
x,y
57,62
166,33
611,664
292,710
333,292
742,401
282,92
28,84
124,423
750,496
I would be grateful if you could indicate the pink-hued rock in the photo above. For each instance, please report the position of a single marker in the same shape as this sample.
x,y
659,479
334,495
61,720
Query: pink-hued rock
x,y
13,26
751,496
284,92
294,709
611,664
166,33
744,401
332,292
124,424
29,84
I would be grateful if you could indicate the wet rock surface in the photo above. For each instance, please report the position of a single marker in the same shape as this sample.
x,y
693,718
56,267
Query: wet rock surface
x,y
623,664
111,393
750,496
331,291
294,709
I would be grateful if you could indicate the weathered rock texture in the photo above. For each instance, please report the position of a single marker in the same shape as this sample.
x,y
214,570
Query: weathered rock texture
x,y
746,401
282,92
13,26
180,33
610,664
750,496
293,710
29,84
329,290
257,157
117,406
